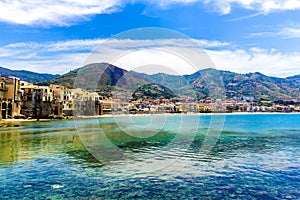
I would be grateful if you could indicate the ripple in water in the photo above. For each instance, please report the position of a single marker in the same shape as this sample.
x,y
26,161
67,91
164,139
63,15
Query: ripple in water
x,y
255,157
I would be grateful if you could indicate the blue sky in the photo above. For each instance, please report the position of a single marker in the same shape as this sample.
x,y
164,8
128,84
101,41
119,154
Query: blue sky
x,y
241,36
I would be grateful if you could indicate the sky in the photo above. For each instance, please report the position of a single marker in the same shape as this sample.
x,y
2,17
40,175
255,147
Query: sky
x,y
242,36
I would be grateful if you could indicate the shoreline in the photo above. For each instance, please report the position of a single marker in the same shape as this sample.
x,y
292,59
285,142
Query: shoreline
x,y
183,114
12,121
6,122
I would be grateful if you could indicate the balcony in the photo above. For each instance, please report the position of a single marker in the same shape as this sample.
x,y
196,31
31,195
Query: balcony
x,y
17,98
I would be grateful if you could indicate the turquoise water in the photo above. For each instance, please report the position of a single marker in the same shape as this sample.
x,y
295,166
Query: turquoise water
x,y
178,157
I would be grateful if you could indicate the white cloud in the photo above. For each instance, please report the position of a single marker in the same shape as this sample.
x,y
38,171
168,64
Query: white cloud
x,y
290,32
269,62
55,12
60,57
67,12
282,32
226,6
264,6
166,3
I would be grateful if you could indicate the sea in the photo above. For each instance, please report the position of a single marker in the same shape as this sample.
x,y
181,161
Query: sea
x,y
213,156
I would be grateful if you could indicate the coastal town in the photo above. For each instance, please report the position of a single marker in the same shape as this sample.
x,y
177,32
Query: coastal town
x,y
21,99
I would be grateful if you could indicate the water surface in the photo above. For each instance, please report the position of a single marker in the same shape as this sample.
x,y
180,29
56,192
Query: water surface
x,y
255,156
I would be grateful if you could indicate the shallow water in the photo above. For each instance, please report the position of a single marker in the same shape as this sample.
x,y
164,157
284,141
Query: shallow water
x,y
186,157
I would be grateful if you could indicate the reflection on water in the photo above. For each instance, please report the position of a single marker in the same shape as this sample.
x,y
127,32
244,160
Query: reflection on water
x,y
256,156
36,140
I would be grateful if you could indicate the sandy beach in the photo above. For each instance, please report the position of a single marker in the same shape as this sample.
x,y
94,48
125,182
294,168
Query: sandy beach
x,y
16,122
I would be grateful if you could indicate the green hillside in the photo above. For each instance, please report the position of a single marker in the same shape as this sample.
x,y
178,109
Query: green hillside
x,y
153,91
98,75
26,75
204,83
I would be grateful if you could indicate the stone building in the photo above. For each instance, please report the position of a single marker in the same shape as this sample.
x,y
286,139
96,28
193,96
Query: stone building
x,y
86,103
10,97
37,101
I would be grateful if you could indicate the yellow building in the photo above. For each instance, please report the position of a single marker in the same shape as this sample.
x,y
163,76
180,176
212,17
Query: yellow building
x,y
10,97
204,108
62,100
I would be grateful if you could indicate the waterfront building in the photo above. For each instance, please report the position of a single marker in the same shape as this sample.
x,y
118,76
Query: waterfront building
x,y
62,100
107,106
204,108
86,103
189,107
36,101
10,97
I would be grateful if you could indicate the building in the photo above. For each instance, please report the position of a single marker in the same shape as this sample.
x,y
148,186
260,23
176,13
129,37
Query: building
x,y
63,103
204,108
37,101
86,103
10,97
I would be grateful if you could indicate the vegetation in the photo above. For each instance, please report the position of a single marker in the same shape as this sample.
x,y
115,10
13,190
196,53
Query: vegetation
x,y
26,75
102,76
153,91
204,83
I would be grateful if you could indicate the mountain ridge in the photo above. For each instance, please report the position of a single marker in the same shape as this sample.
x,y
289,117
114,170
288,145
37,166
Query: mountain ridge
x,y
199,84
26,75
254,84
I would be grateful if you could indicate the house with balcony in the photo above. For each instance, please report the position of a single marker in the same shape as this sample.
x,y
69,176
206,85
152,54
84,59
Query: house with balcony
x,y
36,101
62,100
10,97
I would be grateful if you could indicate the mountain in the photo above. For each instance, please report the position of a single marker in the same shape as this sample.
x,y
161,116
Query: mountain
x,y
26,75
153,91
202,84
98,75
292,81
